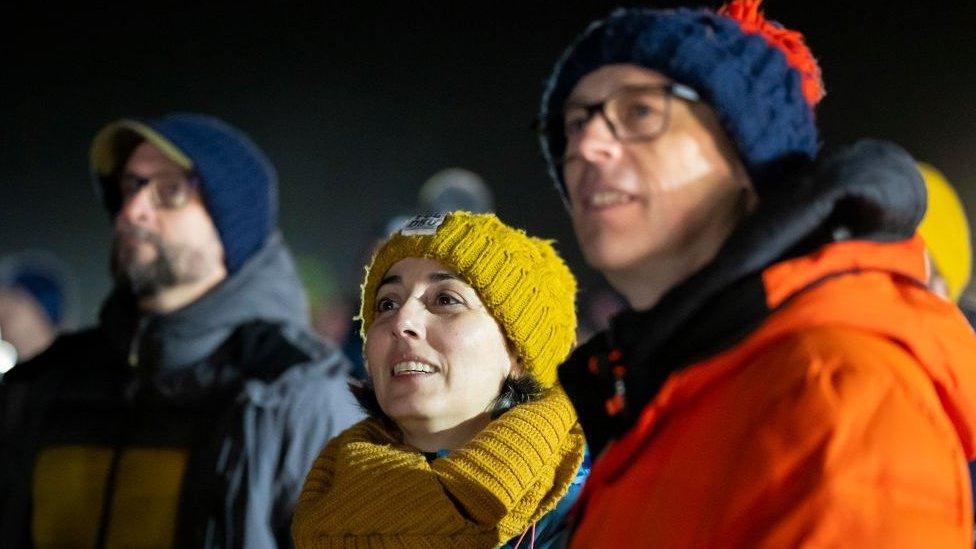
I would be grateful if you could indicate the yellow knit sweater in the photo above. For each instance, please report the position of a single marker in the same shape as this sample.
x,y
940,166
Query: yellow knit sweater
x,y
368,489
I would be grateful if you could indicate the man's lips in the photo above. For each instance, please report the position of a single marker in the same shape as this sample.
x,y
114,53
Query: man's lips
x,y
133,239
606,198
136,235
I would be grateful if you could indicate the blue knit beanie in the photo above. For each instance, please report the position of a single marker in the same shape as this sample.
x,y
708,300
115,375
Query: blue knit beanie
x,y
238,183
46,279
45,290
759,77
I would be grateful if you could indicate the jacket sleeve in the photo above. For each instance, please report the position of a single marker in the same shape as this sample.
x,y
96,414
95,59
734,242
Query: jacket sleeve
x,y
853,450
284,426
26,392
16,463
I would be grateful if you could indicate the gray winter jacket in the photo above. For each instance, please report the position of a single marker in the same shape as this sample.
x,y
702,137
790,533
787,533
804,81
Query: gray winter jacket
x,y
234,385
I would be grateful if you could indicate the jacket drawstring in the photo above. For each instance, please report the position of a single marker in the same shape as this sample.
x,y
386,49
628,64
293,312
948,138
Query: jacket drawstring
x,y
531,540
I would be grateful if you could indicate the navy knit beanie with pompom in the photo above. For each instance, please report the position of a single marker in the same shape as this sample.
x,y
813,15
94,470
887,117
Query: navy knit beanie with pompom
x,y
759,77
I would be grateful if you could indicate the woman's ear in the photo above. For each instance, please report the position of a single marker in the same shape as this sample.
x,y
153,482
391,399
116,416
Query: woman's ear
x,y
516,370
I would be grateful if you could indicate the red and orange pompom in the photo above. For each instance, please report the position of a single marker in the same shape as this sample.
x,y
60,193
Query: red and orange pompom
x,y
790,42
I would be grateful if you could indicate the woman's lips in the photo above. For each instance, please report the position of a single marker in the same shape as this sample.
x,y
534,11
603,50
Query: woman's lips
x,y
412,367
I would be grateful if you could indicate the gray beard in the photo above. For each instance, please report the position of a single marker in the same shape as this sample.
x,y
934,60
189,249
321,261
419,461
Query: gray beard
x,y
173,265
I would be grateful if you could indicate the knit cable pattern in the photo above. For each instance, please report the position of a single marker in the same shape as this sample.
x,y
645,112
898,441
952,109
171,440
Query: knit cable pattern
x,y
755,79
368,489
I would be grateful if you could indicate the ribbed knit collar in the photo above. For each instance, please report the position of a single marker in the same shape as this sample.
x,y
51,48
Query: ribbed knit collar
x,y
369,489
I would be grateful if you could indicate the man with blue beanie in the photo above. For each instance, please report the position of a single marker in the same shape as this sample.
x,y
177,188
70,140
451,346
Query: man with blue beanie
x,y
190,415
782,376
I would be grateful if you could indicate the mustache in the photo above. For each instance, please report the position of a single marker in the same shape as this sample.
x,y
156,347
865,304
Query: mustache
x,y
118,258
140,233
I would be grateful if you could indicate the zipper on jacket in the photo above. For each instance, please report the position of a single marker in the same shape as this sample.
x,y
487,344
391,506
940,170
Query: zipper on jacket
x,y
133,357
108,493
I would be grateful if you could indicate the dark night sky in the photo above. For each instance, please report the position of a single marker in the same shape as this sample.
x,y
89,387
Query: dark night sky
x,y
358,106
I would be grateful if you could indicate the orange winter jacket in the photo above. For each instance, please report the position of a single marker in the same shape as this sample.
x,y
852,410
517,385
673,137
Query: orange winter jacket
x,y
845,418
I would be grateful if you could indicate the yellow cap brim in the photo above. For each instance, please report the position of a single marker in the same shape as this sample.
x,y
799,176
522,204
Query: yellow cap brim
x,y
103,151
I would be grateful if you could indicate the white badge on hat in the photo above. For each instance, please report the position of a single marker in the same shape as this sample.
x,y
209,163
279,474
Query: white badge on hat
x,y
423,225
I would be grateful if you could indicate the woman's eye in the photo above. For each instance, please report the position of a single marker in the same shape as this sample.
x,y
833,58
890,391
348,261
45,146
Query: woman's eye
x,y
384,304
444,300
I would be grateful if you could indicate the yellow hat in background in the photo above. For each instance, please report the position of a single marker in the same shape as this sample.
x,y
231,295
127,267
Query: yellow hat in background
x,y
945,230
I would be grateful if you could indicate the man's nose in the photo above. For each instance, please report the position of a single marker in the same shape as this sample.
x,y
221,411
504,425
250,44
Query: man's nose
x,y
597,142
137,209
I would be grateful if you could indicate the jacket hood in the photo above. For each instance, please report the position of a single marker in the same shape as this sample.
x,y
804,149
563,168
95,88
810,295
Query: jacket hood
x,y
930,328
266,288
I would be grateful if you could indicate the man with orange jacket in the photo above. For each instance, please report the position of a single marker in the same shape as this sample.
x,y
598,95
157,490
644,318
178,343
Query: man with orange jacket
x,y
782,376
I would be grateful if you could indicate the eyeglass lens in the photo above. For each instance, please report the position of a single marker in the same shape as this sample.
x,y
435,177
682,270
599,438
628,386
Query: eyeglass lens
x,y
631,114
167,191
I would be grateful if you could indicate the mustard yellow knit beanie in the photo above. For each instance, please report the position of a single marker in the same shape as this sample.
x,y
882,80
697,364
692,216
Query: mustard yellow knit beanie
x,y
522,281
946,231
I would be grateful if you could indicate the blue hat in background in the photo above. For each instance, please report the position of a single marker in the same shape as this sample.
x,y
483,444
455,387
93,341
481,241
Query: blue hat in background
x,y
46,279
760,78
45,290
238,183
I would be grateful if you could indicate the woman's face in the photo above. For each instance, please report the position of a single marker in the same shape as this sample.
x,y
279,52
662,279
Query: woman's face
x,y
436,356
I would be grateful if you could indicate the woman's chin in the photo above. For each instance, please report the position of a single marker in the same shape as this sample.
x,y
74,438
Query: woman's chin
x,y
406,412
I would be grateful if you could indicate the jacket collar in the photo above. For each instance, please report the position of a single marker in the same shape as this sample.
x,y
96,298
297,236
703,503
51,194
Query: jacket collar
x,y
870,191
860,198
266,288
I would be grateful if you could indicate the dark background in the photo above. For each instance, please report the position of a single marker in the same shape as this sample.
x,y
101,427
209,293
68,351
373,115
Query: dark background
x,y
357,106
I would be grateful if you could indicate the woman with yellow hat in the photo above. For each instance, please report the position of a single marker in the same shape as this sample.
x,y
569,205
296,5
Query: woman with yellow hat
x,y
470,442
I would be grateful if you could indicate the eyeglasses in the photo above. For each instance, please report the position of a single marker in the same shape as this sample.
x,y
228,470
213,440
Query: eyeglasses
x,y
169,191
633,113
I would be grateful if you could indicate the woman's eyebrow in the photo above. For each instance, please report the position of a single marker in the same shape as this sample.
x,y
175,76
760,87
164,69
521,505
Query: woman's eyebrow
x,y
433,277
437,277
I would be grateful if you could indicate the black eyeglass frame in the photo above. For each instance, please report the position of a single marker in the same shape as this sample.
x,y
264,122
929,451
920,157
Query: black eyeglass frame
x,y
192,182
673,89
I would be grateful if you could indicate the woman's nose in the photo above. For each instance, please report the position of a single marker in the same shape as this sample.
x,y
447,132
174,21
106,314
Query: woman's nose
x,y
410,319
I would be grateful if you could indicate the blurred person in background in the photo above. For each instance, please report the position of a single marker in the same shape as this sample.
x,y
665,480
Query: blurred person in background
x,y
945,230
8,355
36,292
949,252
470,443
191,413
331,314
782,377
453,189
